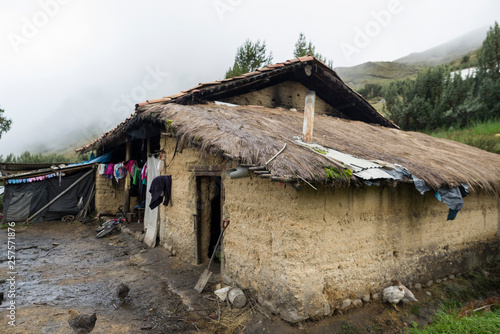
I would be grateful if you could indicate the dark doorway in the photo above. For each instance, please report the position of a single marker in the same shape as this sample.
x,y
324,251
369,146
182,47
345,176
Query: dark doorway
x,y
209,204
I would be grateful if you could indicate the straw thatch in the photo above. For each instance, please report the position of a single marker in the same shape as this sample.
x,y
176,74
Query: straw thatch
x,y
254,134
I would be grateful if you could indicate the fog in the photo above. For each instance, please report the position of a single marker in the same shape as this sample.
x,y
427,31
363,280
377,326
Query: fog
x,y
71,70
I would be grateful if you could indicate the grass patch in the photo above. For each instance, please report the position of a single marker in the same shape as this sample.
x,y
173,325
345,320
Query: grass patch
x,y
470,306
347,328
447,321
482,135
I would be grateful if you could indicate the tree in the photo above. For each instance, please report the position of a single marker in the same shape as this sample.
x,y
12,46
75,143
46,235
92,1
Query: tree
x,y
4,123
303,48
489,55
249,57
488,76
26,157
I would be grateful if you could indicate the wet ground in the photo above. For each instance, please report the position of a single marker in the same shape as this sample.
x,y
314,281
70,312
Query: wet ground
x,y
61,266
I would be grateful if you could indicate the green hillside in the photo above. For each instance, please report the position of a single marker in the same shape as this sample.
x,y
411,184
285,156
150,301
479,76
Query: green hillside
x,y
376,73
458,53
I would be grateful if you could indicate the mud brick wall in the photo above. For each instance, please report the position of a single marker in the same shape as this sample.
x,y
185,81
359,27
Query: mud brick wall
x,y
110,195
176,227
289,94
305,252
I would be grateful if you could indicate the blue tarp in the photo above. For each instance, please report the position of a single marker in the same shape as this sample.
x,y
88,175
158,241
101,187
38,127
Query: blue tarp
x,y
105,158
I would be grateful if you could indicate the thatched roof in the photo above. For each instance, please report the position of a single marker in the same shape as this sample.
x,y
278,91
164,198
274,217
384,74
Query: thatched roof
x,y
253,135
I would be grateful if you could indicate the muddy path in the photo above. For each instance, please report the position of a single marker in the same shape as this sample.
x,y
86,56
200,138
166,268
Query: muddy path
x,y
61,266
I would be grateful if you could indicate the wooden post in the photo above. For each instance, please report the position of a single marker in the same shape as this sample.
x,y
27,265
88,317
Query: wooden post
x,y
126,196
307,130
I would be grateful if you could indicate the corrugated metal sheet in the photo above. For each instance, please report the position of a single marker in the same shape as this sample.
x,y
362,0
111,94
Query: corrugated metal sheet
x,y
374,174
356,164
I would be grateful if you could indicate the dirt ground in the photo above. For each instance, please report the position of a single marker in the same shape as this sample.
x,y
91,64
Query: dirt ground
x,y
61,266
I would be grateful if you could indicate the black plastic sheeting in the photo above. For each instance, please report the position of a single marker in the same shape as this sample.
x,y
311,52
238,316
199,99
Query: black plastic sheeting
x,y
23,200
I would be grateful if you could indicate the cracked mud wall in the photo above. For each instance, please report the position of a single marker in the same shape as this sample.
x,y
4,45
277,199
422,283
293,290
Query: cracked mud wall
x,y
176,226
110,195
304,252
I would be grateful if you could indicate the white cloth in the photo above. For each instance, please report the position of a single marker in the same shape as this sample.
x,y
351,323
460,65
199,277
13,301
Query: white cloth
x,y
151,216
101,169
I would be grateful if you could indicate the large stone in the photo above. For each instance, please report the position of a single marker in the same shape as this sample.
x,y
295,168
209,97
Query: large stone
x,y
366,298
357,303
345,304
292,316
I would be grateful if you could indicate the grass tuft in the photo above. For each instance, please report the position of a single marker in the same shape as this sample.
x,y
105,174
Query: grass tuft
x,y
483,135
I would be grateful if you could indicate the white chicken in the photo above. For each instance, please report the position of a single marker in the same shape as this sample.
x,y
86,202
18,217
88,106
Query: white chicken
x,y
396,293
393,295
409,297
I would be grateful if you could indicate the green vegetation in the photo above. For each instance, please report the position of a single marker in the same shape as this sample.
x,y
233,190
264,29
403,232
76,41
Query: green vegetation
x,y
303,48
470,306
450,322
437,97
483,135
332,173
28,158
249,57
467,61
4,123
376,73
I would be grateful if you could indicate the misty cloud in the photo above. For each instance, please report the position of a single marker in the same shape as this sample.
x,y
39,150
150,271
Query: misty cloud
x,y
70,77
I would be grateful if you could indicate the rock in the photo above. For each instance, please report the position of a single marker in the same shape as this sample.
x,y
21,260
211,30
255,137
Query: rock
x,y
485,273
439,280
292,316
268,305
365,298
326,310
445,279
451,277
428,293
345,304
357,303
375,296
418,286
429,283
226,279
55,244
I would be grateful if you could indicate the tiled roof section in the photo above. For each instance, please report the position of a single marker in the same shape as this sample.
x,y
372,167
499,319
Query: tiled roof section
x,y
207,90
201,86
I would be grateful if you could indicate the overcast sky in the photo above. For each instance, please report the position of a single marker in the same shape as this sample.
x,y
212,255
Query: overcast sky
x,y
67,65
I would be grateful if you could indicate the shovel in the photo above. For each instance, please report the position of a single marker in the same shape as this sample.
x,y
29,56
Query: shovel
x,y
202,281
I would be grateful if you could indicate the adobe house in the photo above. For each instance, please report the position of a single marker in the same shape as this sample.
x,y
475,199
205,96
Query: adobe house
x,y
321,210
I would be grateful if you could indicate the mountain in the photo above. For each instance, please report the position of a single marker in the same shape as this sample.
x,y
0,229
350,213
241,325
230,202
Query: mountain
x,y
451,53
375,72
448,51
